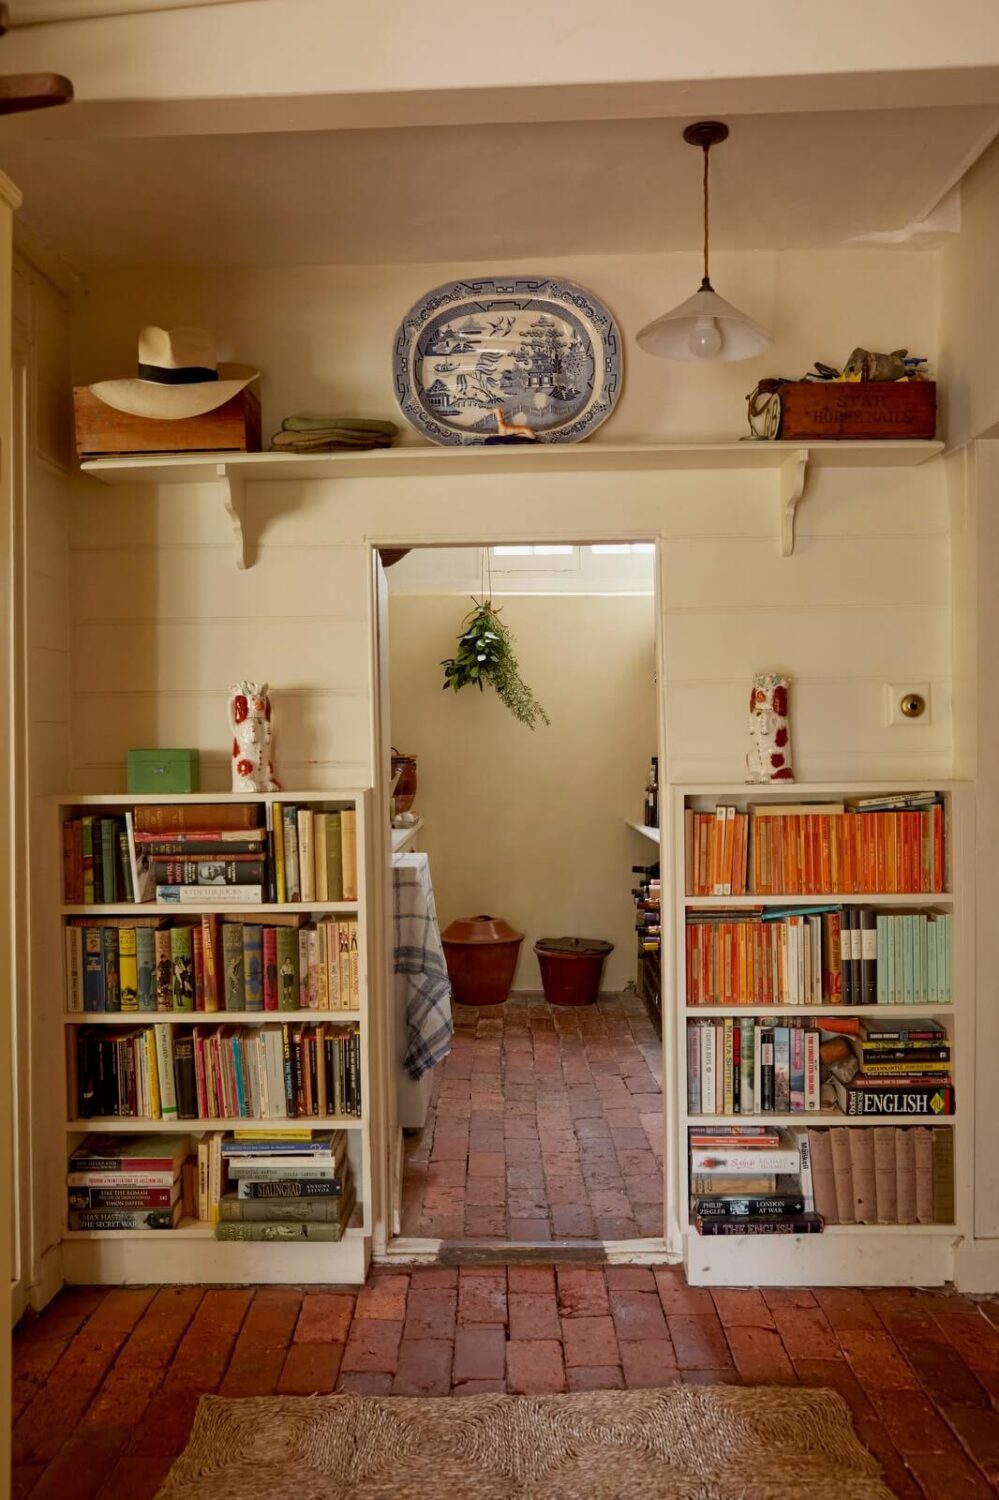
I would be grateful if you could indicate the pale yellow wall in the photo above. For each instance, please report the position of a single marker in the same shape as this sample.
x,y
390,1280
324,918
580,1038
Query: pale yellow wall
x,y
530,825
969,308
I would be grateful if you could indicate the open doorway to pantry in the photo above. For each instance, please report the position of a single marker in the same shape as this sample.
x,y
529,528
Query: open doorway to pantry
x,y
540,1123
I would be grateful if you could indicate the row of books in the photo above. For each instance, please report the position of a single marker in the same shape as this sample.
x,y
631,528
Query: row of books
x,y
239,1184
756,1180
221,853
742,1065
217,1072
143,964
831,956
648,913
858,846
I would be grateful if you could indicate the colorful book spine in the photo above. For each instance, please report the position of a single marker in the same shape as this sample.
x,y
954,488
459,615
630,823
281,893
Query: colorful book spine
x,y
128,969
182,959
253,967
288,973
145,967
232,966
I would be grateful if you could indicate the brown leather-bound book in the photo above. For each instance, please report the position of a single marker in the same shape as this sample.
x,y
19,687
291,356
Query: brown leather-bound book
x,y
885,1179
905,1176
865,1194
843,1174
823,1179
923,1143
943,1176
185,817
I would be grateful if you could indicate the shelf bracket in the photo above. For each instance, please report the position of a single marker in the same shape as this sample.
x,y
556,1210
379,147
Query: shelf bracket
x,y
792,474
233,491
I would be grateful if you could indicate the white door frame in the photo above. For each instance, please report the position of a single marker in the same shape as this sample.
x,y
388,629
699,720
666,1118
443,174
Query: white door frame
x,y
387,1165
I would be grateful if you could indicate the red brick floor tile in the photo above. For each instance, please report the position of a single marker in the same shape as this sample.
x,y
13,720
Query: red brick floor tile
x,y
945,1377
913,1424
533,1315
539,1280
895,1471
365,1382
974,1338
533,1231
479,1388
760,1357
383,1298
482,1299
325,1318
200,1363
440,1278
638,1315
121,1309
726,1375
310,1369
42,1428
485,1224
534,1367
699,1342
123,1398
590,1341
788,1297
949,1474
270,1321
166,1426
135,1479
479,1354
82,1465
742,1309
431,1314
23,1479
251,1372
978,1433
424,1368
805,1333
582,1291
630,1279
372,1346
677,1297
846,1308
836,1375
876,1362
595,1378
647,1363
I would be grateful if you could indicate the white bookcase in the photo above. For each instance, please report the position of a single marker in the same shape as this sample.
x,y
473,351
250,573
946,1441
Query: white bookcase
x,y
190,1253
861,1255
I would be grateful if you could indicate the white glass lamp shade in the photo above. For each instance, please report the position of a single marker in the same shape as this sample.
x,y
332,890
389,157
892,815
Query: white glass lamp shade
x,y
705,327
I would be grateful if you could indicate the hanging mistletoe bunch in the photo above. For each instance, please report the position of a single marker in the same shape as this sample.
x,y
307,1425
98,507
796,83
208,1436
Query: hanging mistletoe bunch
x,y
485,654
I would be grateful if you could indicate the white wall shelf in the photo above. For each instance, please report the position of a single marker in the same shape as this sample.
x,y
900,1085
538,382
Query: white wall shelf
x,y
789,463
645,830
403,837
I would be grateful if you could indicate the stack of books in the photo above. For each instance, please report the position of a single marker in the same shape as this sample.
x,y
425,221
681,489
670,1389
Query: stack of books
x,y
97,861
741,1065
203,852
904,1069
215,1072
751,1179
127,1182
286,1185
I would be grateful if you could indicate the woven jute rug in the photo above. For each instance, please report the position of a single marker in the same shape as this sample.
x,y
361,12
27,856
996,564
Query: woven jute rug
x,y
682,1443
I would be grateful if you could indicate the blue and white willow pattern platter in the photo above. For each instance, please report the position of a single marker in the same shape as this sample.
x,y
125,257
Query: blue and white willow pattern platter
x,y
507,356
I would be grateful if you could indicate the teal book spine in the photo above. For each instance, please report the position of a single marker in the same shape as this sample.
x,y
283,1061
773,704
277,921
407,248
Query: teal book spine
x,y
898,987
253,967
933,973
882,960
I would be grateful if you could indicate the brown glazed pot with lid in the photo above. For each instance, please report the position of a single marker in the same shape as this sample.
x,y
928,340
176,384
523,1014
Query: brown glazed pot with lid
x,y
404,794
481,955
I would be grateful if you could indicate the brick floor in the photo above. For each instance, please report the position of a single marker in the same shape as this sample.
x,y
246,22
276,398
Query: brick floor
x,y
544,1124
106,1383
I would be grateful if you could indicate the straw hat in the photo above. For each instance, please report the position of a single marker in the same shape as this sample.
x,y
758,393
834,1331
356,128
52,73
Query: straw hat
x,y
178,376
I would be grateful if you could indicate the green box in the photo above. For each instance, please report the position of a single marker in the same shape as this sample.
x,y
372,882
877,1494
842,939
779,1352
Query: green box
x,y
164,771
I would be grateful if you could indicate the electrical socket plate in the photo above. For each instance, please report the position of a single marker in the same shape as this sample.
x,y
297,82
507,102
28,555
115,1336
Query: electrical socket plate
x,y
893,695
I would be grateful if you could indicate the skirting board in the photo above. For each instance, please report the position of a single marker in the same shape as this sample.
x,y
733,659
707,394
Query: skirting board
x,y
976,1266
160,1259
836,1258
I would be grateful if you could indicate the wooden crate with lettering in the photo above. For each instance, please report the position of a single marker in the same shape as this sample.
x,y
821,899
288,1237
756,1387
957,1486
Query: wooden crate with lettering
x,y
862,409
102,432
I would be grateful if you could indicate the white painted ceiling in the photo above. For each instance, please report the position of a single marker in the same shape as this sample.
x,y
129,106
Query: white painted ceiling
x,y
488,192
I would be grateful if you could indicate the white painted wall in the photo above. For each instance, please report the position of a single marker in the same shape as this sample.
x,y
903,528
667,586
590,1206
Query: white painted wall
x,y
969,308
530,825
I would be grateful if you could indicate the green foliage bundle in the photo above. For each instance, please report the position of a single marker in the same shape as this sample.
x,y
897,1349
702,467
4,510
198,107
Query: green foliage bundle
x,y
485,654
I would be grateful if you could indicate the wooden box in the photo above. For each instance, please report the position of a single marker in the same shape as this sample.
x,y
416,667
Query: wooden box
x,y
102,432
863,409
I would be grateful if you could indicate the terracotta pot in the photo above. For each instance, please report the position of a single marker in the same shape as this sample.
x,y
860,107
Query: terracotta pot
x,y
571,968
405,787
481,955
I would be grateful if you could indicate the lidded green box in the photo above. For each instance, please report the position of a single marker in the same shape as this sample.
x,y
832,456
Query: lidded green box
x,y
164,771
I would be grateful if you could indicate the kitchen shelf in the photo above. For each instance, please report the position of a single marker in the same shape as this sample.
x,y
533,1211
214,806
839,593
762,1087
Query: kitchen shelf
x,y
788,461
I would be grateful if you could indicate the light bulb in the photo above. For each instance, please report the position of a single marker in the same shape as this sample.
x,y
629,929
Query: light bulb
x,y
705,340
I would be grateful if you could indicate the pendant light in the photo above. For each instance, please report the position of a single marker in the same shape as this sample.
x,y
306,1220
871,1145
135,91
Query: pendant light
x,y
705,327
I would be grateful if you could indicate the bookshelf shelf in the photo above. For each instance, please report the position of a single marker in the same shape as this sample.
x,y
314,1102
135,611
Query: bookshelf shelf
x,y
816,1117
191,1253
205,1017
843,1255
868,898
815,1012
787,461
129,1125
212,908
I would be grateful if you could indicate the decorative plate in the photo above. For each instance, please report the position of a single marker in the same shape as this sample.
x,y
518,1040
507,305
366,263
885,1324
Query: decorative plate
x,y
507,358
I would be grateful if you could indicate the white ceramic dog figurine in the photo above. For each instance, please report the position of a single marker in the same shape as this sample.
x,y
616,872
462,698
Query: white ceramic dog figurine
x,y
250,722
769,754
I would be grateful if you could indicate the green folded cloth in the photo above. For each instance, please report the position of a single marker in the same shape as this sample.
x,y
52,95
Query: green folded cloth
x,y
300,442
338,425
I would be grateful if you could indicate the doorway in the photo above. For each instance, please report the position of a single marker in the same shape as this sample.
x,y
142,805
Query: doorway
x,y
544,1123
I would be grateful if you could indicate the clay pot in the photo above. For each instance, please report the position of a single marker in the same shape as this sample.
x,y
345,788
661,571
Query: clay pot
x,y
571,968
404,794
481,956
